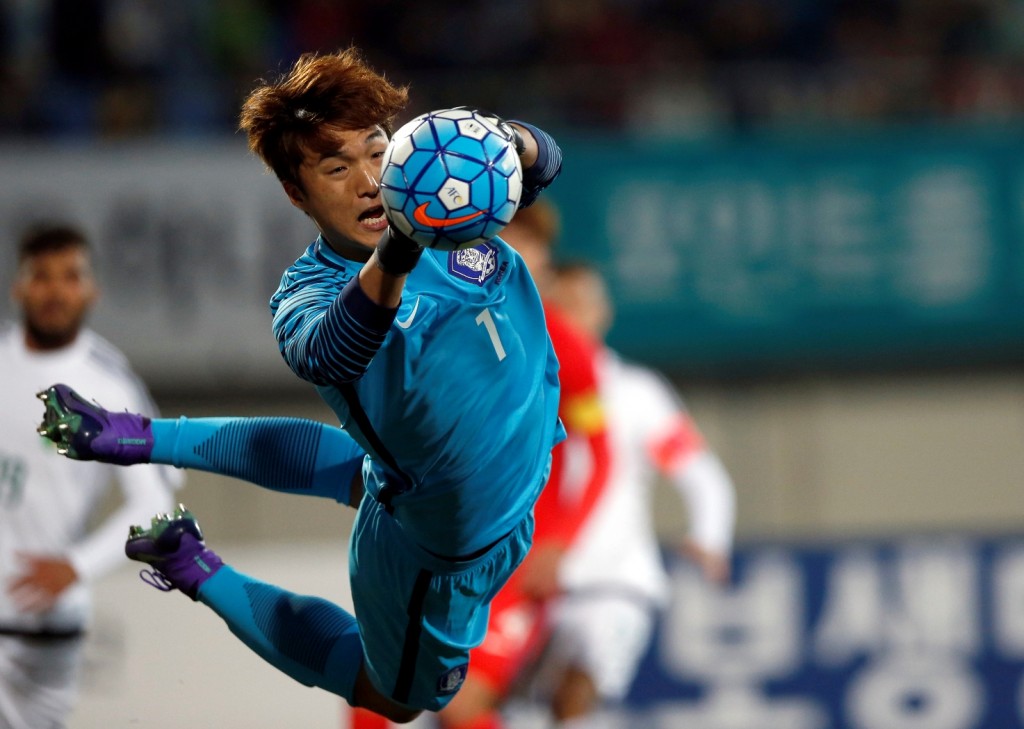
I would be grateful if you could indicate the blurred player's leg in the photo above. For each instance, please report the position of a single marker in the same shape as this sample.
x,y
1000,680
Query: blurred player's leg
x,y
474,707
38,689
576,694
596,645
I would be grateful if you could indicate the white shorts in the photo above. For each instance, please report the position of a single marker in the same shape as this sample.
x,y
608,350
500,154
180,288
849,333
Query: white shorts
x,y
603,634
38,681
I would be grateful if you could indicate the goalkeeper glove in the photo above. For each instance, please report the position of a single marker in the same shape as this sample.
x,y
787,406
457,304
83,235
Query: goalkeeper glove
x,y
397,254
511,133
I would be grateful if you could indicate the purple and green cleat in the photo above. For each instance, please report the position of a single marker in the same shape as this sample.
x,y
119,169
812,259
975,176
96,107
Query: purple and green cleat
x,y
84,431
173,546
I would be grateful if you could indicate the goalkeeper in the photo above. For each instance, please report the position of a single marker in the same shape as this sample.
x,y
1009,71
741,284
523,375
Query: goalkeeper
x,y
450,442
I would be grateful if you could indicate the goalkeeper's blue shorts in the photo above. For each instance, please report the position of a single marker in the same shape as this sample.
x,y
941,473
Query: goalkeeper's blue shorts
x,y
419,614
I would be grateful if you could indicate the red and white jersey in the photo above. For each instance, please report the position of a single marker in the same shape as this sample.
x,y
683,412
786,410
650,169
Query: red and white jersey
x,y
563,508
650,434
47,501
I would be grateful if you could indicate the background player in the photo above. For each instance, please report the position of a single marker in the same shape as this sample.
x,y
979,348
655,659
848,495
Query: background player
x,y
48,554
516,626
613,575
456,435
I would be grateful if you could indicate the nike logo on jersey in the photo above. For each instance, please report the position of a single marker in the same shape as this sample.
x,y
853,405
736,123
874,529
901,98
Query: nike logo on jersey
x,y
421,217
407,322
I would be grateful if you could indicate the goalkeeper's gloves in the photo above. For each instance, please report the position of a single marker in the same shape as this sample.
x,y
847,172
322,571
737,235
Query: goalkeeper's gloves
x,y
397,253
549,157
511,133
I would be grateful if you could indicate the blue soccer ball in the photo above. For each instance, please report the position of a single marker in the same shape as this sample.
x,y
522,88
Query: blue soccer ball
x,y
450,179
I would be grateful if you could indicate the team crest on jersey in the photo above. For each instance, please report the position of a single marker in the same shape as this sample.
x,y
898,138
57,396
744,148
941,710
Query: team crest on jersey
x,y
475,264
450,681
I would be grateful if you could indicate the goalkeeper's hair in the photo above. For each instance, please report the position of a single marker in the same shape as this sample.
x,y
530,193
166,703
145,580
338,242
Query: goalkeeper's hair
x,y
320,93
49,238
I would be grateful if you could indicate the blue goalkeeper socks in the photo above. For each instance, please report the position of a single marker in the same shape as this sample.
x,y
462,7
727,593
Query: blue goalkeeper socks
x,y
308,638
289,455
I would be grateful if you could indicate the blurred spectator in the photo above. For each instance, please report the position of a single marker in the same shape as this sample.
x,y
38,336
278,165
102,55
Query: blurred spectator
x,y
683,67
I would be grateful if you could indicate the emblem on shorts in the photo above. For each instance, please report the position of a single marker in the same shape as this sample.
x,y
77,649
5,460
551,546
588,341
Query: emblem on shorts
x,y
475,264
451,681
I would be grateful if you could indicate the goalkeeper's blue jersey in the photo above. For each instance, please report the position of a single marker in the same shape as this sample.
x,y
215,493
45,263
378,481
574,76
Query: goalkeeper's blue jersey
x,y
458,408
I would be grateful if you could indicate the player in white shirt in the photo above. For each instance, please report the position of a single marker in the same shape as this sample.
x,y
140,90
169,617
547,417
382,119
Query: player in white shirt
x,y
47,502
613,576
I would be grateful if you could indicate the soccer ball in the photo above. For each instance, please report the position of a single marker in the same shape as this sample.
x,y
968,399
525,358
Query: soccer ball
x,y
450,179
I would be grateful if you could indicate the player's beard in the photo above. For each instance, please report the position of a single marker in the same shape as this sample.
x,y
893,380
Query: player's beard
x,y
52,337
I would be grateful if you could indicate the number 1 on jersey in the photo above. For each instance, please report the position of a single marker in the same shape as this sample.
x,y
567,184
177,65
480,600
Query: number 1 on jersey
x,y
485,318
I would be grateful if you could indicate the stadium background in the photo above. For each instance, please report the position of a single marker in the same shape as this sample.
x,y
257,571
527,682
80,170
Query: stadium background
x,y
810,214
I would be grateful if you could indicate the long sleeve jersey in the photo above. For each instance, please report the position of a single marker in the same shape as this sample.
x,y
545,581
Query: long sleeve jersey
x,y
455,403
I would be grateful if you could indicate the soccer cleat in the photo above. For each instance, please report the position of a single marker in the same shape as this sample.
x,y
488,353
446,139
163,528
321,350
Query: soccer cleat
x,y
85,431
173,545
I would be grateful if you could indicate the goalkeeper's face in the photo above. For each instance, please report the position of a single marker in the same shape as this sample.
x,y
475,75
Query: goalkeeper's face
x,y
339,188
55,291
